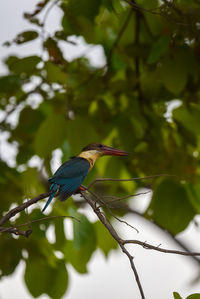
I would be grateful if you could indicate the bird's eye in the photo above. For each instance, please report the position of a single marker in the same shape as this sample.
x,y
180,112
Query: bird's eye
x,y
100,145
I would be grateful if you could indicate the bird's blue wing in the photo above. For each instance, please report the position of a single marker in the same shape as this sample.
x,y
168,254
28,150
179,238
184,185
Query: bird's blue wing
x,y
70,187
75,167
70,175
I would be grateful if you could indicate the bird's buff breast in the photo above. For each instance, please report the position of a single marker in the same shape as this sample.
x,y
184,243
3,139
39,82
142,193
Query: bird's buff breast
x,y
91,156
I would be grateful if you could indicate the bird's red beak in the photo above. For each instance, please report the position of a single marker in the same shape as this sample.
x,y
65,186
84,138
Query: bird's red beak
x,y
107,150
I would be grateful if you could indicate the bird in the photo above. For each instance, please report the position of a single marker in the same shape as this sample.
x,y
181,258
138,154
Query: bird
x,y
69,176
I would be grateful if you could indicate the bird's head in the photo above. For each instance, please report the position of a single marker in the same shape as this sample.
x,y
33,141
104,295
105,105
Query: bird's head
x,y
101,150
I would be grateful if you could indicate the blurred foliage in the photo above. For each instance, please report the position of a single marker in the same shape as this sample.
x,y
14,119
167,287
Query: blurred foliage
x,y
193,296
145,100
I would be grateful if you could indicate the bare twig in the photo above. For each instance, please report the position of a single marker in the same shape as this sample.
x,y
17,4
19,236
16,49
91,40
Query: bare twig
x,y
127,180
157,248
22,207
116,199
47,218
16,231
155,11
115,235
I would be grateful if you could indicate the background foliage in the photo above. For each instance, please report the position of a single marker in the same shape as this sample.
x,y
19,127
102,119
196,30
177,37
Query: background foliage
x,y
152,65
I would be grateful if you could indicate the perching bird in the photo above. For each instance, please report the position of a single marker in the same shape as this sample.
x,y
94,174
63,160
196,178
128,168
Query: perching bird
x,y
70,175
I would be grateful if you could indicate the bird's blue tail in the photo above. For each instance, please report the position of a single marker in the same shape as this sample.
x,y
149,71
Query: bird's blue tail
x,y
53,190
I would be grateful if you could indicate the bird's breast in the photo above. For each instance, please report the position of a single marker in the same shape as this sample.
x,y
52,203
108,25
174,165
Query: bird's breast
x,y
91,156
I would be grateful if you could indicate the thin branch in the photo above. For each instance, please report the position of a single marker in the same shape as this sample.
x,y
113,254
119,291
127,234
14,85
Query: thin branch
x,y
181,244
16,231
22,207
157,248
47,218
115,235
155,11
116,199
126,180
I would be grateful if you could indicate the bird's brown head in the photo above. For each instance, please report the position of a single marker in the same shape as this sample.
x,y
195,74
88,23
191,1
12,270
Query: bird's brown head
x,y
104,150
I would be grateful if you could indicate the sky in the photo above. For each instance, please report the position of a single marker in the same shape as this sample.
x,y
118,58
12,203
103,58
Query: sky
x,y
160,274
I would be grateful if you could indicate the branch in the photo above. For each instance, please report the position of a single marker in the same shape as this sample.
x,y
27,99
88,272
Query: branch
x,y
122,242
115,235
127,180
154,11
22,207
157,248
14,211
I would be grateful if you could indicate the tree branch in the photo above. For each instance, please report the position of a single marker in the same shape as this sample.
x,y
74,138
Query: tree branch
x,y
127,180
22,207
157,248
115,235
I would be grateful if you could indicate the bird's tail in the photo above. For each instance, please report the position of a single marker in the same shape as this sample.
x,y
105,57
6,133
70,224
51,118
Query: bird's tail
x,y
53,190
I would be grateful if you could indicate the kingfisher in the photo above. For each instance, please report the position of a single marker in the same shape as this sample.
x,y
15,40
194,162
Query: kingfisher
x,y
69,176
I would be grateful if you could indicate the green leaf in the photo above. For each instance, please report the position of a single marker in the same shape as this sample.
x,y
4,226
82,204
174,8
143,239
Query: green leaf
x,y
79,252
194,195
158,49
51,281
86,8
9,83
31,184
177,296
51,135
188,117
26,36
171,207
104,240
54,74
10,252
23,65
194,296
29,121
74,128
83,231
78,258
174,73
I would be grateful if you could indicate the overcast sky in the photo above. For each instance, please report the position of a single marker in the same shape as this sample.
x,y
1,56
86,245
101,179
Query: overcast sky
x,y
160,274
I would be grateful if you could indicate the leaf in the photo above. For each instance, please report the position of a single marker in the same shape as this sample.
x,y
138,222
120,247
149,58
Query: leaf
x,y
51,135
25,37
79,251
174,73
83,231
29,122
104,240
9,83
78,258
171,207
194,296
158,49
23,65
10,252
31,184
54,74
86,136
86,8
177,296
41,278
194,195
188,117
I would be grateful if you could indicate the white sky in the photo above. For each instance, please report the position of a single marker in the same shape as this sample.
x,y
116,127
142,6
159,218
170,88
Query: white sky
x,y
160,274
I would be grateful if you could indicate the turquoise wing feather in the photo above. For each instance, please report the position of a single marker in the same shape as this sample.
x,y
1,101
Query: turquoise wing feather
x,y
68,178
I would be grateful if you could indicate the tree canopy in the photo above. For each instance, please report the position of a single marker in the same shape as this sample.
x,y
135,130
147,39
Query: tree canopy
x,y
145,100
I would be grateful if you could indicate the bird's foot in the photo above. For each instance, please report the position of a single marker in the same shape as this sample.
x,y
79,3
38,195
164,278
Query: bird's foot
x,y
82,188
